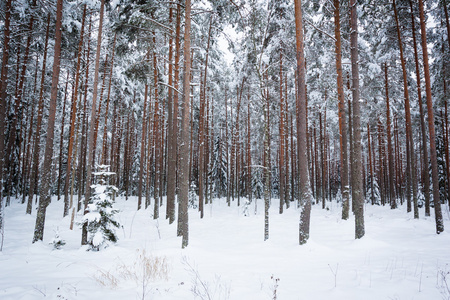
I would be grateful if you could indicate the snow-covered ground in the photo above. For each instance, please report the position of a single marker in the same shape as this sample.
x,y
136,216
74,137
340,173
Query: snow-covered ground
x,y
399,257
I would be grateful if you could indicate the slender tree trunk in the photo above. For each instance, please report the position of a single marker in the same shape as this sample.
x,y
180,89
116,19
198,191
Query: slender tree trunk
x,y
266,163
447,155
157,134
27,160
184,148
410,151
433,154
341,106
249,154
281,140
36,146
323,155
426,177
104,157
61,140
172,132
44,199
381,169
143,154
357,193
226,148
342,120
393,201
74,112
305,189
3,106
372,196
91,141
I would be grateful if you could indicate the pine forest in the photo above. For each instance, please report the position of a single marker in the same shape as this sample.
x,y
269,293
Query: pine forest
x,y
224,149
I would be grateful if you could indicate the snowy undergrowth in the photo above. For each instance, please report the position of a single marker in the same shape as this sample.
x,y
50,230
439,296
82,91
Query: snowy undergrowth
x,y
399,258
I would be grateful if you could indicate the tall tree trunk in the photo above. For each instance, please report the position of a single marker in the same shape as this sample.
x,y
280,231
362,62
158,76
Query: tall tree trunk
x,y
342,123
226,148
249,154
45,193
143,154
184,148
3,106
201,129
281,140
433,154
381,168
172,124
412,170
157,134
357,188
27,160
266,162
447,155
393,201
91,141
426,177
372,196
36,146
305,189
61,141
74,112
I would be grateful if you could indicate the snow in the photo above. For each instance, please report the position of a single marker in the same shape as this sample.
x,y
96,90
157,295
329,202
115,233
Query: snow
x,y
399,258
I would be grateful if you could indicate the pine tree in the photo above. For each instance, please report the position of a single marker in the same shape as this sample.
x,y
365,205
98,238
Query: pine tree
x,y
100,219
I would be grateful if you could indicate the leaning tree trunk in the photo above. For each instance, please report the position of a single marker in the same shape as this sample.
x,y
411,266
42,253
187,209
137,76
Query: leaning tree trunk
x,y
433,154
44,199
305,188
357,188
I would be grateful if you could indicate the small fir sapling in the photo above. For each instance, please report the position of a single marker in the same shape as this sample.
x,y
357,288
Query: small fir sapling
x,y
100,219
57,241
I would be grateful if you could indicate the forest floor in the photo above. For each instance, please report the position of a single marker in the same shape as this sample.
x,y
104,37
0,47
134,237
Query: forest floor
x,y
398,258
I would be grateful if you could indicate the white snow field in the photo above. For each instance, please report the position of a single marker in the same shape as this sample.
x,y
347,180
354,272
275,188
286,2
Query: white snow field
x,y
398,258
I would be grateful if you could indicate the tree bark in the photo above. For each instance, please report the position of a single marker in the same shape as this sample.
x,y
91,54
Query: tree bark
x,y
185,129
409,136
44,199
393,201
357,188
36,148
73,117
433,154
342,123
305,189
91,141
172,124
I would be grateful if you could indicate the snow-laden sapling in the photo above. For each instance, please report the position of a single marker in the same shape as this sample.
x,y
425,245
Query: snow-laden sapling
x,y
57,241
100,218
